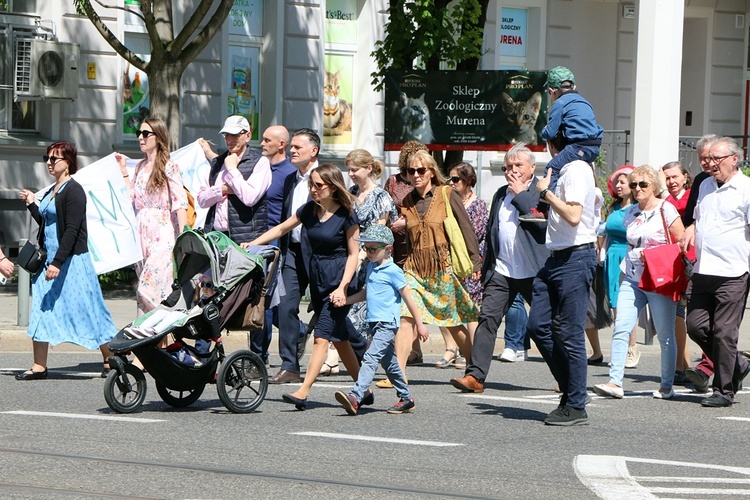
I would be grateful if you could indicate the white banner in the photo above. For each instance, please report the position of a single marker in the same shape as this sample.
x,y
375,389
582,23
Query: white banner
x,y
110,218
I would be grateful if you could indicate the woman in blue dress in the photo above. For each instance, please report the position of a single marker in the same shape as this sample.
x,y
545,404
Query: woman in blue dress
x,y
617,245
66,299
329,228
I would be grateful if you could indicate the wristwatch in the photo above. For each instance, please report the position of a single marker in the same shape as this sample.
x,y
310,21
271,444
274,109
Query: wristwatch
x,y
543,194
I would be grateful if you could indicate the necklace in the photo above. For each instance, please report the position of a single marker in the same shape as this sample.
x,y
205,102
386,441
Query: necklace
x,y
467,199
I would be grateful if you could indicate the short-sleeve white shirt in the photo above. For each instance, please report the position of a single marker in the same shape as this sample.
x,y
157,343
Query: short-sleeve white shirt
x,y
722,234
645,229
575,184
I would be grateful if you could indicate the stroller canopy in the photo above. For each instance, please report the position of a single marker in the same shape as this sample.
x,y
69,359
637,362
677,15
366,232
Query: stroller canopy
x,y
195,252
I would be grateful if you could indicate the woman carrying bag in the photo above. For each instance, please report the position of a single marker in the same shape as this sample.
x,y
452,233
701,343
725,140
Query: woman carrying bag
x,y
645,221
66,299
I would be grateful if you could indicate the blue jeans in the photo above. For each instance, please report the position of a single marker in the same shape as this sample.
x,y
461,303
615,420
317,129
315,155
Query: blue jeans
x,y
570,153
561,292
515,326
630,301
381,352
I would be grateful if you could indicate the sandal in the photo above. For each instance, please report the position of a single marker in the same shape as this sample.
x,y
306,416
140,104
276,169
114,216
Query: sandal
x,y
327,369
445,363
414,358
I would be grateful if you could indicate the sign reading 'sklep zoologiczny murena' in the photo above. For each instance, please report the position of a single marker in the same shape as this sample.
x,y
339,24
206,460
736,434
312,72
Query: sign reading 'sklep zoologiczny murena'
x,y
464,110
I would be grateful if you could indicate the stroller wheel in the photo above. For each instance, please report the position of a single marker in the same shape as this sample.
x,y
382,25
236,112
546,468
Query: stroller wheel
x,y
125,393
242,381
179,399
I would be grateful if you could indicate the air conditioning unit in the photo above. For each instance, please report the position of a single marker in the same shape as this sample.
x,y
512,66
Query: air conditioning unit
x,y
45,70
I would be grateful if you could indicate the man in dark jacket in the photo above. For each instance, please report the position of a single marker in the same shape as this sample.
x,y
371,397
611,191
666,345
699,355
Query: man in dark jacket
x,y
236,186
519,253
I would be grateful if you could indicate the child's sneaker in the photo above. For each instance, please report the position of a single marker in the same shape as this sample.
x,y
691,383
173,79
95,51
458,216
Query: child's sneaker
x,y
534,215
403,406
348,401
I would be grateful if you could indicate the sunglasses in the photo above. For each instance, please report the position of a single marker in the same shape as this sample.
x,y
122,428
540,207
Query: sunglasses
x,y
419,171
455,179
207,284
52,159
318,185
145,133
374,249
641,184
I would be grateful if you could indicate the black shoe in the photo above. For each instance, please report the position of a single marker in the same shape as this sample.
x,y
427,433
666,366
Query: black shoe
x,y
105,372
32,375
680,378
716,401
698,378
403,406
737,381
595,361
298,403
566,416
368,400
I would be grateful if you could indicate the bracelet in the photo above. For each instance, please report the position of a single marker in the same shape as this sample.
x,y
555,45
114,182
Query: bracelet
x,y
125,176
543,194
3,259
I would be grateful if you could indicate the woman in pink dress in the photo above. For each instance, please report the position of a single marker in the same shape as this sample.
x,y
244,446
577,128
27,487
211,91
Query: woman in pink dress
x,y
160,205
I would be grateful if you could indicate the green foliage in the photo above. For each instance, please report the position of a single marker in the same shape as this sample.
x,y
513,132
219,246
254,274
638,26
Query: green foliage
x,y
746,170
124,278
602,175
428,32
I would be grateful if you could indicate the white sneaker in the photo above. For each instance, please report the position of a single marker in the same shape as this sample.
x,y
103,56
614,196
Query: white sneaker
x,y
633,357
511,356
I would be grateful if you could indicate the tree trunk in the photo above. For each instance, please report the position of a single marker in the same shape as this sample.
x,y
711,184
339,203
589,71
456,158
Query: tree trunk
x,y
164,86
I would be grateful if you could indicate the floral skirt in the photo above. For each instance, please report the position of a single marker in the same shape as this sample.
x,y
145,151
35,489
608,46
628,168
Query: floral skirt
x,y
441,300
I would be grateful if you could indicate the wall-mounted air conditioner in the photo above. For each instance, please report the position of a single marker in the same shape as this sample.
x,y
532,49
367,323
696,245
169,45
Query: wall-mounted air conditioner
x,y
45,70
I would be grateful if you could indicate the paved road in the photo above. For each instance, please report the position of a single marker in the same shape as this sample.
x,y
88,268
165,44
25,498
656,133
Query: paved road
x,y
60,439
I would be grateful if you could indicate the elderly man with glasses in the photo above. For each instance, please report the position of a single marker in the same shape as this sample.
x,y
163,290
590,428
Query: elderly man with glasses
x,y
519,253
717,293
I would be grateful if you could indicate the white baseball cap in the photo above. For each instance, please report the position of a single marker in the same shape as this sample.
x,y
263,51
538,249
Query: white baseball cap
x,y
235,124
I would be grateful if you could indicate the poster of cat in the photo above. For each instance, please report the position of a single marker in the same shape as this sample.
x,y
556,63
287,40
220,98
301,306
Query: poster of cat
x,y
465,110
338,109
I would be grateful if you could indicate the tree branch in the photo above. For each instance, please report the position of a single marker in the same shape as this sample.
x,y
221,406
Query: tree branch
x,y
191,26
213,26
110,37
117,7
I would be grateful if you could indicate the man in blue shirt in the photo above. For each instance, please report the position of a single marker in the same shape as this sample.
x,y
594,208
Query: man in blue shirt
x,y
273,146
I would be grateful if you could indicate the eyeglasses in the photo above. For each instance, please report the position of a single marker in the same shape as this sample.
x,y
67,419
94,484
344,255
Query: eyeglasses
x,y
52,159
318,185
419,171
207,284
455,179
234,136
145,133
374,249
717,159
641,184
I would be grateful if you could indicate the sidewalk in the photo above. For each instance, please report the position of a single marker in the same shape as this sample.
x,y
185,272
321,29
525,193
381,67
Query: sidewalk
x,y
121,305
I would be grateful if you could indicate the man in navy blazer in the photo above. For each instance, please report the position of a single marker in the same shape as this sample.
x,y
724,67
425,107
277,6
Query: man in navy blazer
x,y
514,252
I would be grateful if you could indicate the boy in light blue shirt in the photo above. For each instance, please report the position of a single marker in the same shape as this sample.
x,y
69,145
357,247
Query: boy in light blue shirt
x,y
384,289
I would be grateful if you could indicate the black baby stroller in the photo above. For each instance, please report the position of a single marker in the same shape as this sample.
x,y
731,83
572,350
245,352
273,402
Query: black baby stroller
x,y
182,371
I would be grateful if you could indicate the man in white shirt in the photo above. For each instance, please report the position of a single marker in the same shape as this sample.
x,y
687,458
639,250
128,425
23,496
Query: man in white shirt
x,y
519,254
560,294
304,149
236,187
717,292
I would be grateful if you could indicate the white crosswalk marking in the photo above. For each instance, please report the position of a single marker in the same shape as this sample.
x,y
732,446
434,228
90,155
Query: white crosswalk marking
x,y
84,417
355,437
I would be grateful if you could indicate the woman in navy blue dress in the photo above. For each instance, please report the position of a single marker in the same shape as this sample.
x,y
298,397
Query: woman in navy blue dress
x,y
329,229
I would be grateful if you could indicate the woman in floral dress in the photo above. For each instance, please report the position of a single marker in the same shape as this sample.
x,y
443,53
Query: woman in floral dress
x,y
160,205
462,178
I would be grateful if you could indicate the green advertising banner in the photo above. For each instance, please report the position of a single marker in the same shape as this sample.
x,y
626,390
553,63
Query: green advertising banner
x,y
474,110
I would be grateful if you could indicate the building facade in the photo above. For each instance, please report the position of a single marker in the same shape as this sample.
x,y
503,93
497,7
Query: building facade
x,y
659,68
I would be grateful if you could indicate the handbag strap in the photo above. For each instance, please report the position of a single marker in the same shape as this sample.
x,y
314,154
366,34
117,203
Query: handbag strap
x,y
664,222
447,201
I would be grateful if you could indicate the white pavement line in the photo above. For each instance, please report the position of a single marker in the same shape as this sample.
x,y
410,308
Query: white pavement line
x,y
608,477
516,400
711,492
355,437
81,416
11,371
688,479
738,419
